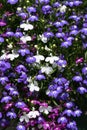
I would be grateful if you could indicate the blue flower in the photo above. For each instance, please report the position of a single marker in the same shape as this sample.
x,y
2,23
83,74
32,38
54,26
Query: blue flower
x,y
1,39
72,125
31,9
12,1
20,127
81,90
33,18
6,99
4,80
62,120
23,52
12,115
20,104
84,70
30,60
77,113
69,104
21,68
40,77
77,78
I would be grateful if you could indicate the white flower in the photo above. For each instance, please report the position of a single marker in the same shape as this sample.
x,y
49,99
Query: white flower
x,y
26,26
25,38
46,70
33,114
45,109
52,59
43,38
47,49
39,58
33,87
63,9
25,118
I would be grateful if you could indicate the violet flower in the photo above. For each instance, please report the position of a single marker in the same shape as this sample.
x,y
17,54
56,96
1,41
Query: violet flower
x,y
12,2
11,115
6,99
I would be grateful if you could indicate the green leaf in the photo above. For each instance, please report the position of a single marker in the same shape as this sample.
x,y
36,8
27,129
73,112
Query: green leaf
x,y
86,56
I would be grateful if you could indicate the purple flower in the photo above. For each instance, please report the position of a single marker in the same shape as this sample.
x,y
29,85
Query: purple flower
x,y
77,113
4,65
48,34
68,112
44,1
40,77
30,60
20,104
64,96
81,90
4,80
69,104
77,78
22,78
21,68
6,99
33,18
12,115
20,127
0,115
46,9
62,120
61,63
58,24
72,125
9,34
84,31
23,15
1,39
74,32
2,23
56,4
12,2
66,44
84,70
18,34
31,9
60,35
14,93
23,52
77,2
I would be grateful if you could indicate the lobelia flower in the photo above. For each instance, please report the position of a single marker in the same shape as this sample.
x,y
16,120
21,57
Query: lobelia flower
x,y
40,77
20,127
2,23
60,35
23,52
0,115
12,1
33,18
69,105
44,1
24,117
33,114
30,60
77,113
4,80
66,44
81,90
46,69
18,34
9,34
39,58
72,125
12,56
31,9
68,112
26,26
22,78
21,68
61,63
23,15
33,87
77,78
14,93
20,104
63,8
43,38
56,4
52,59
11,115
46,9
45,109
1,39
6,99
84,70
25,39
48,34
62,120
4,65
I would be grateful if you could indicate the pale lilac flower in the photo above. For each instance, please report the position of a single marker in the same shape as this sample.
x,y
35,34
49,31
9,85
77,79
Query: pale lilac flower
x,y
1,39
12,1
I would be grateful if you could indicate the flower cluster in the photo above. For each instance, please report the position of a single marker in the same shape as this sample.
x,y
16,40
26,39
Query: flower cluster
x,y
43,63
